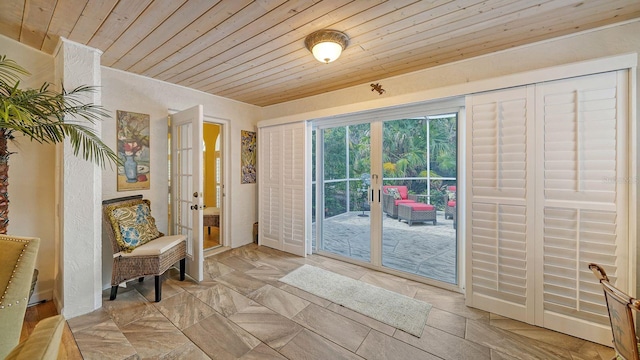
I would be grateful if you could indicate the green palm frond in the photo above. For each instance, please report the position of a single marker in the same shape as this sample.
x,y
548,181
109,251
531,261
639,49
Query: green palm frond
x,y
10,71
46,116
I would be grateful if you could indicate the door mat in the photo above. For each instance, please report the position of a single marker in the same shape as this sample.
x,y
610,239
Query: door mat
x,y
397,310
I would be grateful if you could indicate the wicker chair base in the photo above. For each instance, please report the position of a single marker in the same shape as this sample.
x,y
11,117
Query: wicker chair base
x,y
449,211
410,215
126,268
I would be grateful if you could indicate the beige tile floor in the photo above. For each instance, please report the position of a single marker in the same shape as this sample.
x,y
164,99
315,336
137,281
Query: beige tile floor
x,y
242,311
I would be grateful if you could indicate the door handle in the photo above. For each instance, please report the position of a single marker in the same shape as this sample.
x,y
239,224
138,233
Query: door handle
x,y
379,192
371,195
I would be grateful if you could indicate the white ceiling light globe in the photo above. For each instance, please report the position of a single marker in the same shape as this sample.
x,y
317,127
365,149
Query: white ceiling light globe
x,y
327,51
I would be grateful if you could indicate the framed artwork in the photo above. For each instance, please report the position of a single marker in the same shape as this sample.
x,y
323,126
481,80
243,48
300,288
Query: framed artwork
x,y
133,149
248,157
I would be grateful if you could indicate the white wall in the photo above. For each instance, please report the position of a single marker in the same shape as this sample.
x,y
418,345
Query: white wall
x,y
31,174
79,199
129,92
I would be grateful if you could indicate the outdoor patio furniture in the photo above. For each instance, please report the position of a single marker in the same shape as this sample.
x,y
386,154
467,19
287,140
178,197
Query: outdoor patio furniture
x,y
390,203
455,218
450,202
416,212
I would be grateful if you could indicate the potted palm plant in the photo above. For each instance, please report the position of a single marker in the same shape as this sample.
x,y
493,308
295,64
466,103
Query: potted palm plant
x,y
39,115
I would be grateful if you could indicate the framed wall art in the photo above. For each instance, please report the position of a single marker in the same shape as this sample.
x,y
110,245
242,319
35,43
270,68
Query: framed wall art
x,y
133,149
248,157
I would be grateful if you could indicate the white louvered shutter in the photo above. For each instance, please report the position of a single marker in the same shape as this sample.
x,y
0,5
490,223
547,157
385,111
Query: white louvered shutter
x,y
270,186
282,200
582,199
549,195
293,205
498,277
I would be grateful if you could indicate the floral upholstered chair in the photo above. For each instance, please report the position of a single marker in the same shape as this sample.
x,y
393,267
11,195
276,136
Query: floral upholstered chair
x,y
139,249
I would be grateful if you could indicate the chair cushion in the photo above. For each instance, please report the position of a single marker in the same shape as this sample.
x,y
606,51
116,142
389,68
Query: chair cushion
x,y
420,206
395,193
451,203
401,189
403,202
132,223
155,247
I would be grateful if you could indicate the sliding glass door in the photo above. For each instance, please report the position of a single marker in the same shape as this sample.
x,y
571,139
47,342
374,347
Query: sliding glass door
x,y
386,194
418,227
345,173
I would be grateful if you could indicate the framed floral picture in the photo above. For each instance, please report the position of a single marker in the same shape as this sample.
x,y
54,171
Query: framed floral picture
x,y
133,149
248,157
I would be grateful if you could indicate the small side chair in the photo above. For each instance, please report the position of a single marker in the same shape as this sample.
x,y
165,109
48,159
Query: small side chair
x,y
138,248
619,306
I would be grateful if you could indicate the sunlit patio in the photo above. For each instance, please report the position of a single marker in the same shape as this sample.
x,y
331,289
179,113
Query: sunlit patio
x,y
423,248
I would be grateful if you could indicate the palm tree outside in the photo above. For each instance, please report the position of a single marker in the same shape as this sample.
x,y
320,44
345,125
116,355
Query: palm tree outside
x,y
40,115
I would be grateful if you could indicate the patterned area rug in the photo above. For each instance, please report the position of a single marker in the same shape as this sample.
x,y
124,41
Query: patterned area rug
x,y
397,310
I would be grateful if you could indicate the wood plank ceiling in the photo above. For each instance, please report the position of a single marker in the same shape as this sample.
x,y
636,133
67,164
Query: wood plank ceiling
x,y
253,51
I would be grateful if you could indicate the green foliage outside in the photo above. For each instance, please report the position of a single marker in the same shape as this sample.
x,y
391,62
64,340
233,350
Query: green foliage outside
x,y
404,156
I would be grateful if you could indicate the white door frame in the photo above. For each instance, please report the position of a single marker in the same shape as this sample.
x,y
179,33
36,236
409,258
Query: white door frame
x,y
225,205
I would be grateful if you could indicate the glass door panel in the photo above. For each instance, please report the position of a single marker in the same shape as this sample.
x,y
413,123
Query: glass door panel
x,y
419,181
345,221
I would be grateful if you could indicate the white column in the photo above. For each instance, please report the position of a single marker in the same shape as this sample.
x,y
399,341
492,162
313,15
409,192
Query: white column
x,y
79,253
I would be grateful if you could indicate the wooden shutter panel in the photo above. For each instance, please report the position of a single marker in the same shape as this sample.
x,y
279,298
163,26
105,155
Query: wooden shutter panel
x,y
499,274
582,126
282,207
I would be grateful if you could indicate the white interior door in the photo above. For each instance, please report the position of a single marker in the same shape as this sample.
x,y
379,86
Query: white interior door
x,y
187,160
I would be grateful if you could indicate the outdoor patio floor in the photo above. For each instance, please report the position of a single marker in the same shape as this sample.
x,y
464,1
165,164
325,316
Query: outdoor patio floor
x,y
422,249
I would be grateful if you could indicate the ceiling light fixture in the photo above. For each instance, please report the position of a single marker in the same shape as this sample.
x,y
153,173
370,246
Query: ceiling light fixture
x,y
326,45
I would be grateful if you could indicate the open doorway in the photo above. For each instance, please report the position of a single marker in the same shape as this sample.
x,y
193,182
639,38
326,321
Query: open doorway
x,y
212,181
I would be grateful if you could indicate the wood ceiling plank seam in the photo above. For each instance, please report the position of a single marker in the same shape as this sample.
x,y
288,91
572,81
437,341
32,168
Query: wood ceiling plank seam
x,y
90,20
224,27
118,21
445,23
11,18
420,65
144,53
456,56
153,16
348,61
65,17
36,18
623,16
283,30
245,67
524,26
276,89
189,33
252,21
260,70
251,36
269,61
271,86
